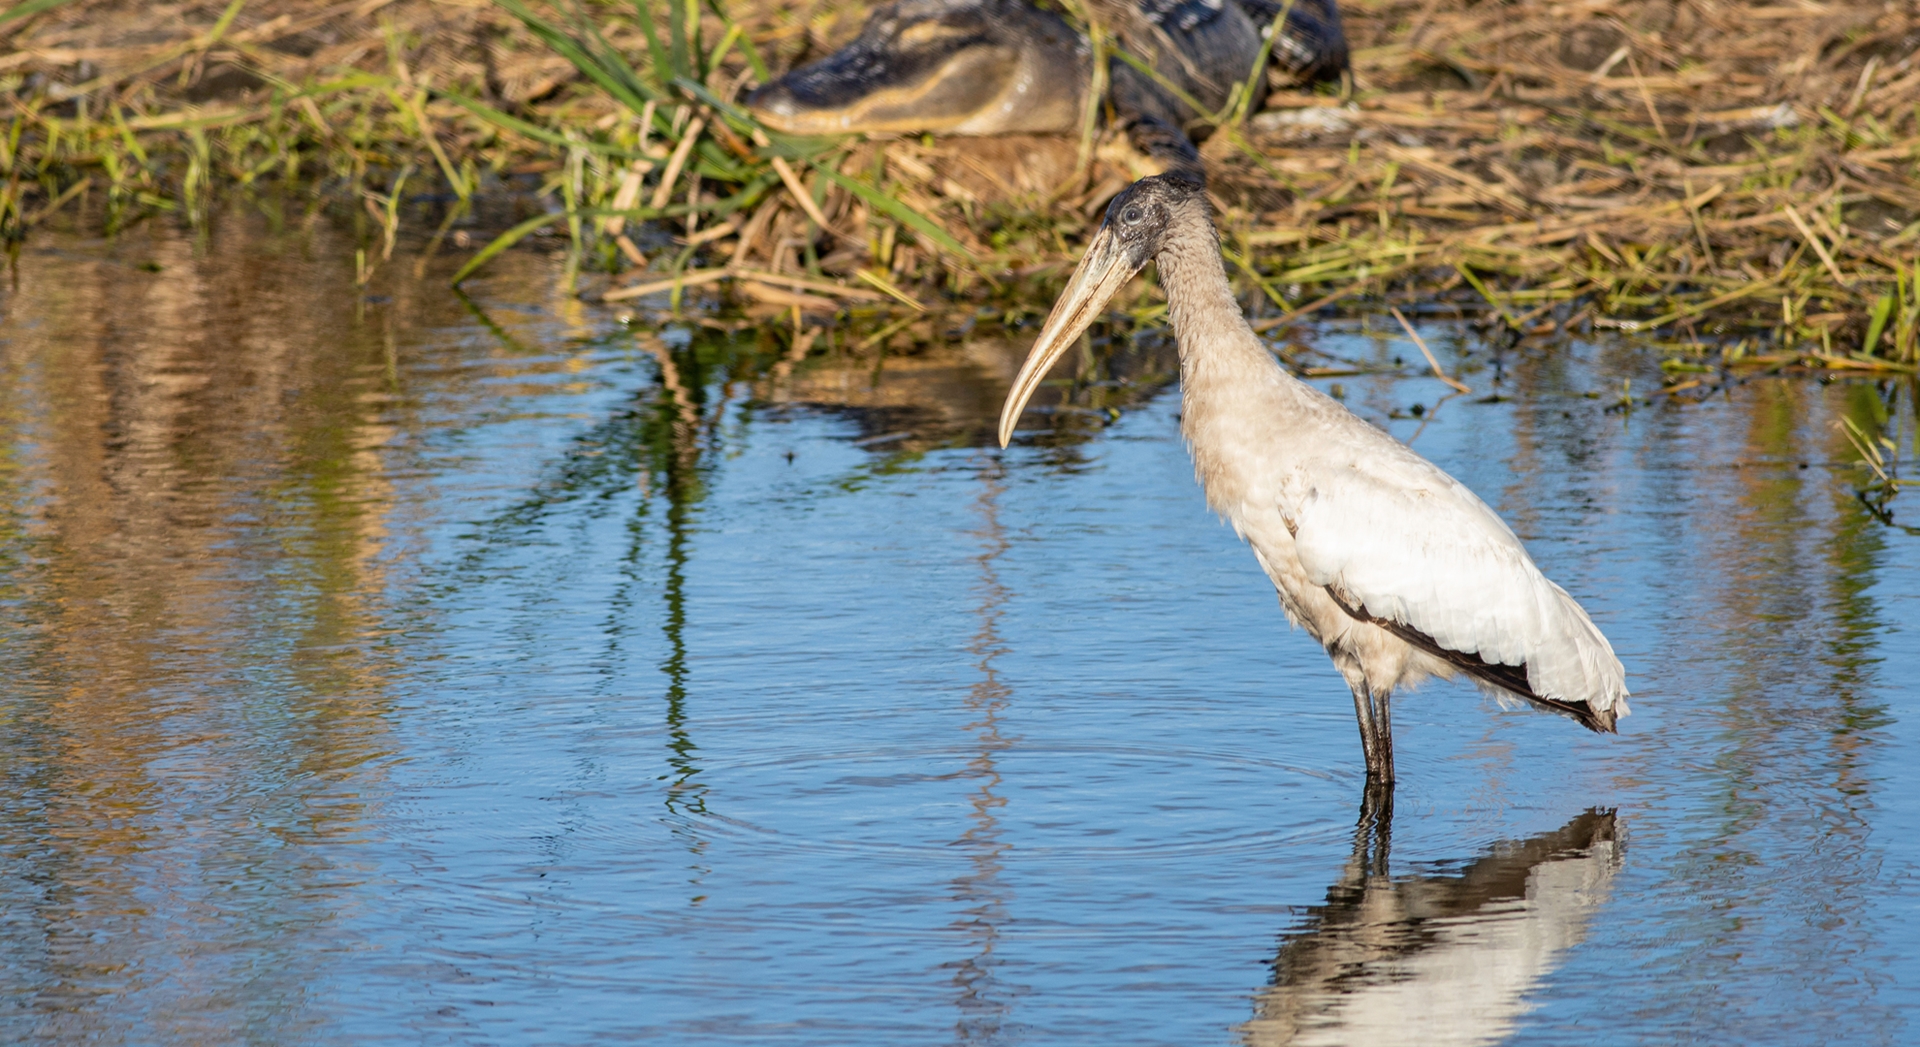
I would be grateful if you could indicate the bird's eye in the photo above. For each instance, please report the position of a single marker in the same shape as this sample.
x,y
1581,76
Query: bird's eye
x,y
1131,215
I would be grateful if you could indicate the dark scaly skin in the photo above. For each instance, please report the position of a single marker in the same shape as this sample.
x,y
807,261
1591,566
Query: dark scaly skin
x,y
1005,66
940,66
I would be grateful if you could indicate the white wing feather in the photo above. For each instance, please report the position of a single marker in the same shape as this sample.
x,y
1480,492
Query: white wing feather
x,y
1392,533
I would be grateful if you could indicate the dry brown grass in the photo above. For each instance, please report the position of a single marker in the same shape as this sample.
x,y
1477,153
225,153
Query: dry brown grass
x,y
1718,168
1736,175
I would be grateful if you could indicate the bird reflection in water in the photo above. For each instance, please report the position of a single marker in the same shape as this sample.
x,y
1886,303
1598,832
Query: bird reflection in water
x,y
1434,958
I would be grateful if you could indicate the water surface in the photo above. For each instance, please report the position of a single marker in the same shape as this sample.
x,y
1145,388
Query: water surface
x,y
383,667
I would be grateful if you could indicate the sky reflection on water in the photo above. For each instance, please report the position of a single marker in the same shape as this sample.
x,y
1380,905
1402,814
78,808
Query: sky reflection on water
x,y
379,675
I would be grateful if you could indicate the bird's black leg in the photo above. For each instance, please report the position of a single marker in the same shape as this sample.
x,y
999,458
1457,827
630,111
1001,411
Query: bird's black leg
x,y
1381,764
1363,713
1376,730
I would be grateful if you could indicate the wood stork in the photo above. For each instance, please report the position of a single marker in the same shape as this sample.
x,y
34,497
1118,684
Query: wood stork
x,y
1398,569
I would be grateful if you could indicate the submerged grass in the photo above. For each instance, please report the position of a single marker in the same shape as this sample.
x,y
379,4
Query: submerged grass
x,y
1739,178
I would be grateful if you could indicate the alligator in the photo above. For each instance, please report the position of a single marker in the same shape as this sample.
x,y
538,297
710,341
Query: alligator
x,y
981,67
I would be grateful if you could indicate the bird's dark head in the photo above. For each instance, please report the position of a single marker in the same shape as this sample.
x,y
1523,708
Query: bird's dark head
x,y
1141,219
1142,222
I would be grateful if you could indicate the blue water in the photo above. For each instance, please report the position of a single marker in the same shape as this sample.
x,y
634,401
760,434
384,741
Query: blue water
x,y
377,674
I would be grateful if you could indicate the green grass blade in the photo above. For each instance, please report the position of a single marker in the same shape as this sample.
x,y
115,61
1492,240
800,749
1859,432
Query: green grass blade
x,y
522,127
504,241
736,36
220,27
716,162
1259,70
745,45
630,93
1477,285
616,65
697,90
678,65
29,9
339,85
655,48
1876,323
886,204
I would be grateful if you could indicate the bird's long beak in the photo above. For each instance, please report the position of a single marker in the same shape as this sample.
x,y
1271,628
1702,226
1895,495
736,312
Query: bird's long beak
x,y
1101,272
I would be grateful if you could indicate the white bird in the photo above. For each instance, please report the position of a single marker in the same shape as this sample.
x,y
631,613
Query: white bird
x,y
1398,569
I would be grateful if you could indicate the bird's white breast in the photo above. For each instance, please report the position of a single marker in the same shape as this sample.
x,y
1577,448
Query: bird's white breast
x,y
1333,505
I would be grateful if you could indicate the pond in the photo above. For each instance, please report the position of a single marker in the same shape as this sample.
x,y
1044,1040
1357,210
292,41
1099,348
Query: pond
x,y
384,666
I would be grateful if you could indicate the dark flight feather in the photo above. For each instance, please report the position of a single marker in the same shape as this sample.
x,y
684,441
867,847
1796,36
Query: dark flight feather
x,y
1509,678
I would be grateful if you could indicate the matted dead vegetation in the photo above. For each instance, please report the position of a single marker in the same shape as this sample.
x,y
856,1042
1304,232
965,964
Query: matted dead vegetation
x,y
1742,177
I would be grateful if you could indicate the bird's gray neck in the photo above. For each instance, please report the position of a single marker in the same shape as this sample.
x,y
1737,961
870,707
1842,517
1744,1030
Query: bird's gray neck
x,y
1216,345
1235,398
